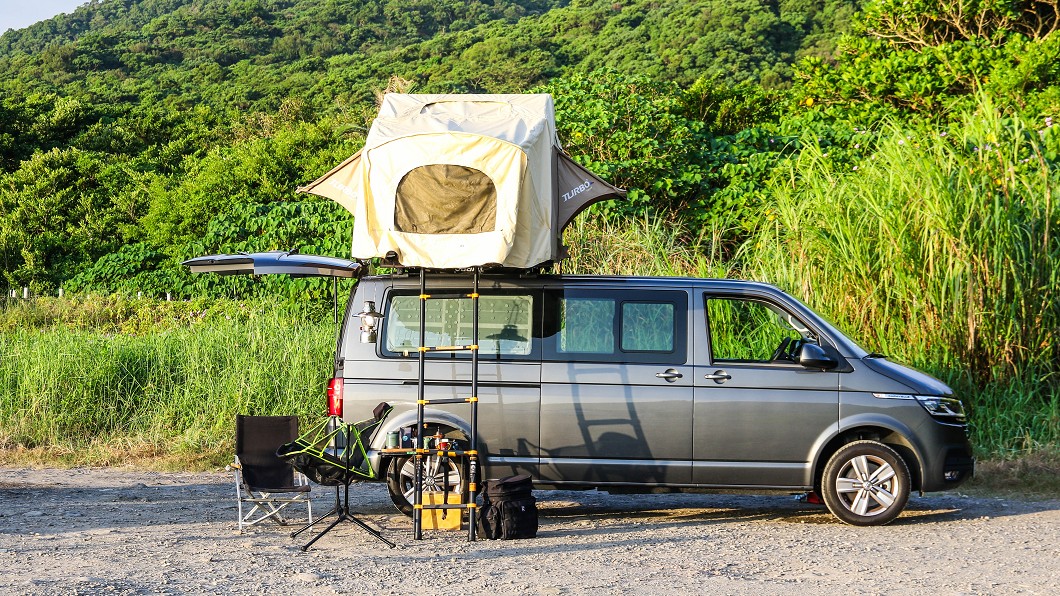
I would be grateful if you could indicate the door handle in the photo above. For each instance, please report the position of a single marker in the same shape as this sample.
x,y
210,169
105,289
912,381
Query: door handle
x,y
670,375
718,376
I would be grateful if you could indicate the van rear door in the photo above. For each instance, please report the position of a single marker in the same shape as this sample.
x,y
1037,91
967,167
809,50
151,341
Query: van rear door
x,y
273,262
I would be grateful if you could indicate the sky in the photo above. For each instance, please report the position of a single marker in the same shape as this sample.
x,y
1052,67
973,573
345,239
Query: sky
x,y
17,14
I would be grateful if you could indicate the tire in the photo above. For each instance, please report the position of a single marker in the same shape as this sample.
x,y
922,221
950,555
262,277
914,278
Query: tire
x,y
865,483
400,480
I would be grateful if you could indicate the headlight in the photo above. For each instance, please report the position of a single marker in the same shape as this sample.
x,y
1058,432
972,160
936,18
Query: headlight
x,y
949,409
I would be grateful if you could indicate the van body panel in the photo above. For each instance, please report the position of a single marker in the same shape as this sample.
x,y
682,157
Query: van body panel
x,y
595,472
764,475
761,425
903,417
626,425
863,379
917,382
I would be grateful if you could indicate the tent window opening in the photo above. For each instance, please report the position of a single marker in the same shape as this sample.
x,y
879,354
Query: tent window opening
x,y
445,199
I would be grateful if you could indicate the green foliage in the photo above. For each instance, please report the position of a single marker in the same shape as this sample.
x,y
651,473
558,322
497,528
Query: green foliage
x,y
931,57
266,167
922,23
633,132
132,268
56,213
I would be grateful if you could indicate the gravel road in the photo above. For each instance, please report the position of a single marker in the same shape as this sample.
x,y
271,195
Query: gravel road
x,y
121,531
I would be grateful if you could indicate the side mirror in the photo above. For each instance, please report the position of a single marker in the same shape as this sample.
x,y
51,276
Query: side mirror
x,y
814,356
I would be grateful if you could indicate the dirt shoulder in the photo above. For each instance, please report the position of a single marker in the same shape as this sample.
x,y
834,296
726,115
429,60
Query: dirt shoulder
x,y
121,531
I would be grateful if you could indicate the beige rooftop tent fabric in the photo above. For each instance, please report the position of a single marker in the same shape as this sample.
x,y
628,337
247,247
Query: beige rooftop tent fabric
x,y
454,181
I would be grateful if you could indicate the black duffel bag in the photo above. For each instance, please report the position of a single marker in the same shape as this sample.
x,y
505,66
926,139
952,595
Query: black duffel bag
x,y
509,509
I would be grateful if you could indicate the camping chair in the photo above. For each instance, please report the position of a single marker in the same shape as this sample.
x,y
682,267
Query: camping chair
x,y
263,479
334,453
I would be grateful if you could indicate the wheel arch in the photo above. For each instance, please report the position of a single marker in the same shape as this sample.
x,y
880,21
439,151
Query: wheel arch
x,y
889,432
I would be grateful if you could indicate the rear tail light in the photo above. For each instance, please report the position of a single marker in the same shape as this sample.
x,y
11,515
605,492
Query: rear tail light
x,y
335,397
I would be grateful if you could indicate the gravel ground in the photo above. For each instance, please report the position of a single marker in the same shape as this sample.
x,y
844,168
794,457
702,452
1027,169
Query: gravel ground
x,y
120,531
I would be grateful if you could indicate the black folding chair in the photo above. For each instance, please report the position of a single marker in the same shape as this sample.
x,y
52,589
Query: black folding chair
x,y
263,480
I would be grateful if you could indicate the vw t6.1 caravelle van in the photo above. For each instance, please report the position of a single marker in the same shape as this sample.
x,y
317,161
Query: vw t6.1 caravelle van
x,y
638,384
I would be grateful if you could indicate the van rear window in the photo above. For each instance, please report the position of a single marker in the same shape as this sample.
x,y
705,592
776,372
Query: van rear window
x,y
505,325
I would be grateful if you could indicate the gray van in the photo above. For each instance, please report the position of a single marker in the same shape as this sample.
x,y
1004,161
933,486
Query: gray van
x,y
639,384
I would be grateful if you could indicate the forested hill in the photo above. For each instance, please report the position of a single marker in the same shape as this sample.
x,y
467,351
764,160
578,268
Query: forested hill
x,y
250,54
131,125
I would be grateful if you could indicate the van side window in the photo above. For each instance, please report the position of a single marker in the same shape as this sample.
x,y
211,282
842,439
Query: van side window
x,y
748,330
616,326
586,326
647,326
505,325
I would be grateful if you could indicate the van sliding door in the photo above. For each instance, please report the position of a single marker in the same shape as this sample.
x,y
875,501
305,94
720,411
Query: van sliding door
x,y
616,388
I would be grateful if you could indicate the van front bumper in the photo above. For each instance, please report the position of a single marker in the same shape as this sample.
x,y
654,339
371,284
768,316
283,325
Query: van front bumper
x,y
952,461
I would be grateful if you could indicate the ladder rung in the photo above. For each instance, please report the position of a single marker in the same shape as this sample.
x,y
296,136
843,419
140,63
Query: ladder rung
x,y
440,506
449,295
449,400
450,453
469,348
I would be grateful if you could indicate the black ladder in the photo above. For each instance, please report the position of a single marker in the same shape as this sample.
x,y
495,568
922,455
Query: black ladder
x,y
470,454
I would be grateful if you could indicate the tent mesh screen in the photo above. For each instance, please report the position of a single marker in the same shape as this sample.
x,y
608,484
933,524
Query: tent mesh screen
x,y
445,199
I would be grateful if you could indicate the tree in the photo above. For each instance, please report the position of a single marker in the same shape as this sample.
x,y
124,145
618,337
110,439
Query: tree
x,y
931,57
633,132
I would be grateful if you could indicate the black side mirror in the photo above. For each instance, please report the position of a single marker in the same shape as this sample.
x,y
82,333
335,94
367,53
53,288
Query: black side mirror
x,y
814,356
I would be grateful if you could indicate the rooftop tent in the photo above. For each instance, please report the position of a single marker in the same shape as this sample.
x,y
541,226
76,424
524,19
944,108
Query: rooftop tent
x,y
453,181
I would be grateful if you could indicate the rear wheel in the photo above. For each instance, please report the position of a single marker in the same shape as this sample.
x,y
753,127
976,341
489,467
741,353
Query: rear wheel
x,y
401,479
866,483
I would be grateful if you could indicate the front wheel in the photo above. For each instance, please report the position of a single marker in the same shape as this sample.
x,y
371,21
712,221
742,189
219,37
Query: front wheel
x,y
401,479
866,483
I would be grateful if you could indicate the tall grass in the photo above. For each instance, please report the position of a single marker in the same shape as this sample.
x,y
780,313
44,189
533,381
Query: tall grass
x,y
943,251
173,387
646,246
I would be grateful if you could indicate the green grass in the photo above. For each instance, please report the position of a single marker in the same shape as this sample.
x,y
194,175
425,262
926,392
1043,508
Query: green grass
x,y
168,386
